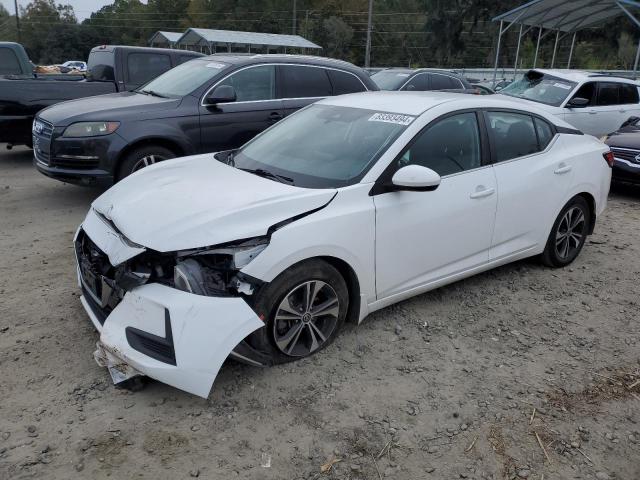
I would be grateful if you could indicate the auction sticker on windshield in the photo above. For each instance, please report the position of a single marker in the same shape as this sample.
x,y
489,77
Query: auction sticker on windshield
x,y
215,65
562,85
392,118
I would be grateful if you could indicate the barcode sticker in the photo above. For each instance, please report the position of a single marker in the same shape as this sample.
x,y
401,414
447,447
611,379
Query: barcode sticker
x,y
392,118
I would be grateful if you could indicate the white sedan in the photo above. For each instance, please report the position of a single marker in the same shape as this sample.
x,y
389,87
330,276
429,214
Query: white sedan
x,y
350,205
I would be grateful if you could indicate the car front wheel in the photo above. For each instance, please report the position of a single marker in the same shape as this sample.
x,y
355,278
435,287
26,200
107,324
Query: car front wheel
x,y
303,308
568,234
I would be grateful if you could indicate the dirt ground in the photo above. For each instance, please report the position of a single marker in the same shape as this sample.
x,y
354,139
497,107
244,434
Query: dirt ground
x,y
522,372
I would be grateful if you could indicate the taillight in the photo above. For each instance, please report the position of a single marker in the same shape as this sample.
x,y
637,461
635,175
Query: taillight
x,y
608,157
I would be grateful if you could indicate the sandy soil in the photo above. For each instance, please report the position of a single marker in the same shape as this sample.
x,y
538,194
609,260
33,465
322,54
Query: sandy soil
x,y
521,372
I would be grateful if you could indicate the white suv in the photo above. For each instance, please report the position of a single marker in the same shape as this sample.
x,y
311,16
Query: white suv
x,y
597,104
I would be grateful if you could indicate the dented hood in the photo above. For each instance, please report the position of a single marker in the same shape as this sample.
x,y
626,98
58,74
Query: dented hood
x,y
197,201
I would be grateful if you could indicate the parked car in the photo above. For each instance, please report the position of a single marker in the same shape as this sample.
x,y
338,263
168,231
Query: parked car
x,y
594,103
625,145
210,104
482,89
347,206
110,69
422,79
73,65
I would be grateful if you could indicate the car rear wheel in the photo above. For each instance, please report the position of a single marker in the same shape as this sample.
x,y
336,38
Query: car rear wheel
x,y
568,234
142,157
303,308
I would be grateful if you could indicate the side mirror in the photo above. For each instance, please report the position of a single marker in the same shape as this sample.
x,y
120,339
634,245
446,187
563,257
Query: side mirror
x,y
221,94
415,178
578,102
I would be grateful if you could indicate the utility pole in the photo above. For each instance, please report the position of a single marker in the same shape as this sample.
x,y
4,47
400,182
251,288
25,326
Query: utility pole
x,y
15,2
367,54
294,17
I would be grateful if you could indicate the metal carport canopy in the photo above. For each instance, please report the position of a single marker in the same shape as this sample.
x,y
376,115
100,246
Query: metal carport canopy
x,y
169,37
195,36
562,17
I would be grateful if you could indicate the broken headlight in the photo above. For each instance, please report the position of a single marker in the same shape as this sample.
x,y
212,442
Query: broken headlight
x,y
214,271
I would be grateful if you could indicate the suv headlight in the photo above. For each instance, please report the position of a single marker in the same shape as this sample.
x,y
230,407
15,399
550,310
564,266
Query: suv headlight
x,y
90,129
214,271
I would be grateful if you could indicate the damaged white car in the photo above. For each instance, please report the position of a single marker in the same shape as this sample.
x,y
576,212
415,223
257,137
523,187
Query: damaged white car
x,y
345,207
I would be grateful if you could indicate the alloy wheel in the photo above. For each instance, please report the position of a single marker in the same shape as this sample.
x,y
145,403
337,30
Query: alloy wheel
x,y
146,161
306,318
570,233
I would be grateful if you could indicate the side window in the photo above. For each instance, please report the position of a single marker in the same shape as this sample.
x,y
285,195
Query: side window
x,y
513,135
302,82
607,94
418,83
9,62
143,67
344,82
628,93
253,83
587,91
443,82
545,133
449,146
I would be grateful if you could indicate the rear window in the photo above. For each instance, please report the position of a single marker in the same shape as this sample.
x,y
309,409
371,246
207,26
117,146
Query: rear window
x,y
628,93
9,64
142,67
300,81
344,82
540,87
443,82
100,66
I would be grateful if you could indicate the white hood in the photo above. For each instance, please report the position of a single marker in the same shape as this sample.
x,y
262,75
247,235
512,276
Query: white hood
x,y
197,201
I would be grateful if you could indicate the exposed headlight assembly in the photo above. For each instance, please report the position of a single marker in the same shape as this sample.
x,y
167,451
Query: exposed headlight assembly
x,y
214,271
90,129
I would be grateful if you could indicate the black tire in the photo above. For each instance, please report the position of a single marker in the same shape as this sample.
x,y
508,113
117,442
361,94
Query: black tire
x,y
289,285
563,244
135,159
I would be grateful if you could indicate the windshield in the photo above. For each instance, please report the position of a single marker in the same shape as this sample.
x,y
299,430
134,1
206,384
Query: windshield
x,y
184,79
321,146
540,87
390,79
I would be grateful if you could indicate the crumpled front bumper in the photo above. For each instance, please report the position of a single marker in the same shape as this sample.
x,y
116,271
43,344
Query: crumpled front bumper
x,y
176,337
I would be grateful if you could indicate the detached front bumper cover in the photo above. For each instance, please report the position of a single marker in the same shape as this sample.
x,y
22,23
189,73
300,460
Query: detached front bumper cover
x,y
175,337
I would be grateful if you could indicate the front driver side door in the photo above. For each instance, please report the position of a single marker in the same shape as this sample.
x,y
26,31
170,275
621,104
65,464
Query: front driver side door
x,y
230,125
424,237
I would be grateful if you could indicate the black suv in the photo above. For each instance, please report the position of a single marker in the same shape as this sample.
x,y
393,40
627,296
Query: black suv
x,y
420,80
209,104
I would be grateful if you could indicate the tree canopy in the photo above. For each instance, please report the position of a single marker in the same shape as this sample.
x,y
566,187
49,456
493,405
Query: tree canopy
x,y
437,33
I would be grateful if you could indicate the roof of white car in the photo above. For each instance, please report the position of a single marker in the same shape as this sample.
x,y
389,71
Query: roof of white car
x,y
416,103
582,76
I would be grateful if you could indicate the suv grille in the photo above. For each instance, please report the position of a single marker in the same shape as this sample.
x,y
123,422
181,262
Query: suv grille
x,y
628,154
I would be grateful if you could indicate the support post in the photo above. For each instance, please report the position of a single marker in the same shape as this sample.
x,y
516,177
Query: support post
x,y
635,64
294,17
367,53
495,67
535,58
555,48
573,42
515,67
15,3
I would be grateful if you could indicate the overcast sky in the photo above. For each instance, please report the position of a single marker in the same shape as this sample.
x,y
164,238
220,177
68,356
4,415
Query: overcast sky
x,y
83,8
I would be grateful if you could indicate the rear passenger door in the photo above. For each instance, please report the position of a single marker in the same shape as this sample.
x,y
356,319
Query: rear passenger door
x,y
532,180
301,85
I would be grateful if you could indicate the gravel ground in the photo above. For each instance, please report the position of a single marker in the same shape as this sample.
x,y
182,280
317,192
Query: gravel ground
x,y
522,372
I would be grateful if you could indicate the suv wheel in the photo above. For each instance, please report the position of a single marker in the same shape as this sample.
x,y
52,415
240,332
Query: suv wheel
x,y
142,157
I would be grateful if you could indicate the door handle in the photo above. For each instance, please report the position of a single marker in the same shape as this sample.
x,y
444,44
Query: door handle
x,y
562,168
275,116
482,193
592,112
